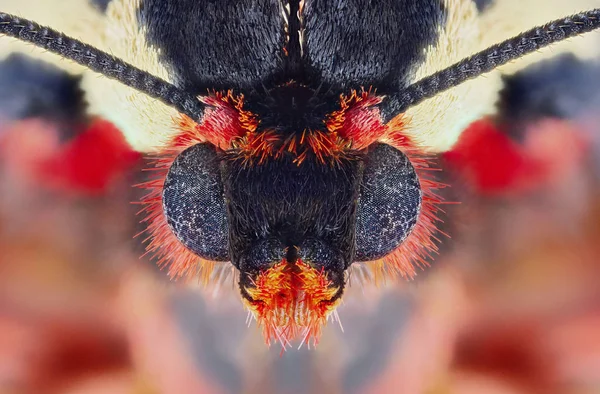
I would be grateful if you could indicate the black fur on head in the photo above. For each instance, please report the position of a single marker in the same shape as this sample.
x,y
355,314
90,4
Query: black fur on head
x,y
284,210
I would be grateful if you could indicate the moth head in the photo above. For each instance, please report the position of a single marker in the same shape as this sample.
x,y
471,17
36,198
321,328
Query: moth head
x,y
291,212
291,191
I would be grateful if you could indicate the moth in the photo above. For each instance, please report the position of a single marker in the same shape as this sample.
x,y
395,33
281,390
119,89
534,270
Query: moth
x,y
292,137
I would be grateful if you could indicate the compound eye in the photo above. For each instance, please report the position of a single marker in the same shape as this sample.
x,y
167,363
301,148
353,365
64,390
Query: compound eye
x,y
389,203
194,205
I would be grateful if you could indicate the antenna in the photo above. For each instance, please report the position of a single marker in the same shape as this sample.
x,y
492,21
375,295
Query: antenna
x,y
487,60
101,62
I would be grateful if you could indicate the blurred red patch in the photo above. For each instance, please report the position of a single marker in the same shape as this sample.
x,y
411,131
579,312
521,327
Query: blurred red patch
x,y
87,164
509,351
91,161
494,164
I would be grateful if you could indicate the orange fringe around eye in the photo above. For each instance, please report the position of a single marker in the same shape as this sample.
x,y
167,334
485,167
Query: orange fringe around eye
x,y
422,243
223,122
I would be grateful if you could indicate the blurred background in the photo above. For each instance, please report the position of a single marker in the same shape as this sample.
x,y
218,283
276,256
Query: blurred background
x,y
511,305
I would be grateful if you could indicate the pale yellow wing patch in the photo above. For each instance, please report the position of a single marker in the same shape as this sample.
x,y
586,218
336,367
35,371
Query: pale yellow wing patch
x,y
436,124
145,122
75,18
508,18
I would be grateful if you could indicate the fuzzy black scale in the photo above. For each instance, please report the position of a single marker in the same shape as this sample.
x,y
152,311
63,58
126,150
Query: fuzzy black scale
x,y
217,44
291,202
354,43
292,108
231,44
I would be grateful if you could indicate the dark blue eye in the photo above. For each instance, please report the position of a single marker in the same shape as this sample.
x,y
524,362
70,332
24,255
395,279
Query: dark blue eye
x,y
194,205
389,203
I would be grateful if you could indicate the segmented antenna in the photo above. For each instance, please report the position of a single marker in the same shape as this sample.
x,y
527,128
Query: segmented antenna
x,y
489,59
101,62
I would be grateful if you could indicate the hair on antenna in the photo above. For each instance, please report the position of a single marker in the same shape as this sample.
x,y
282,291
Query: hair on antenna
x,y
101,62
487,60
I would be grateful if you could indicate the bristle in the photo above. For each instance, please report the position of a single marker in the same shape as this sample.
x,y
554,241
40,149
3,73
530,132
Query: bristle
x,y
255,147
355,126
161,242
422,243
358,119
224,122
292,301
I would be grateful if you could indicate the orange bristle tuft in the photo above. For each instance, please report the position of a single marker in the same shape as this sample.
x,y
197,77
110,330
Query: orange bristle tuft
x,y
353,127
225,120
358,119
292,300
328,146
254,146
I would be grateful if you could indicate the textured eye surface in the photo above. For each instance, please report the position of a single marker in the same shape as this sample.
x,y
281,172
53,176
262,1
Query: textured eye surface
x,y
389,203
193,203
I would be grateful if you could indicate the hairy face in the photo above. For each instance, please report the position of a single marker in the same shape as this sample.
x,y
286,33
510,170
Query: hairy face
x,y
291,204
